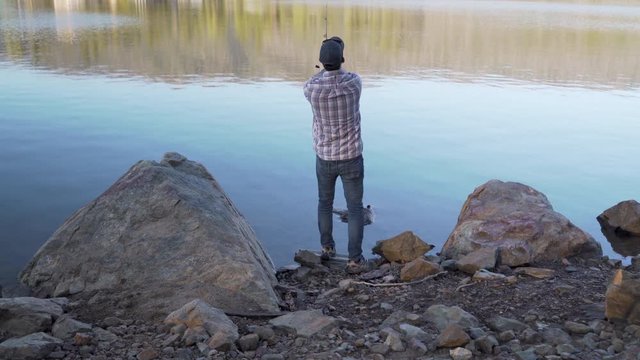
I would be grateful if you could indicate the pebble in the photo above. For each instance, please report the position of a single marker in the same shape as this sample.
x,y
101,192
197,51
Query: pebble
x,y
382,349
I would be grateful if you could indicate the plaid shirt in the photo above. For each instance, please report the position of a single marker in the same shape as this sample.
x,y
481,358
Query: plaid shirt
x,y
335,101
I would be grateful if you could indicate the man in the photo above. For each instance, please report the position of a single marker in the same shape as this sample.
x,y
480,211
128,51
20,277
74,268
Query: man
x,y
334,95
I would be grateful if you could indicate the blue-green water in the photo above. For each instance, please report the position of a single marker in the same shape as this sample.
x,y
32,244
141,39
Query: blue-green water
x,y
69,127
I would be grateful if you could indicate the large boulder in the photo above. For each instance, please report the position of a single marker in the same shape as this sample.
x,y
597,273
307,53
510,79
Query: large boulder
x,y
25,315
163,234
622,300
520,222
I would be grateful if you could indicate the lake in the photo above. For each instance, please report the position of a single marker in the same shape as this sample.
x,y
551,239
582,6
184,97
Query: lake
x,y
455,93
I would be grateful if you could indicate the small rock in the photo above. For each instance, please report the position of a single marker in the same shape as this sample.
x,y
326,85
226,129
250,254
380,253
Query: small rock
x,y
402,248
526,355
272,357
112,321
411,331
460,354
571,269
487,343
249,342
506,336
452,336
538,273
500,324
441,316
555,336
544,349
483,258
485,275
450,265
305,323
394,341
418,269
65,327
82,339
476,333
265,333
530,336
147,354
386,306
566,349
577,328
382,349
418,346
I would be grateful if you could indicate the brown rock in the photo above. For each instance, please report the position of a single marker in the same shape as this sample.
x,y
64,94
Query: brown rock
x,y
418,269
453,336
622,300
624,216
402,248
520,222
147,354
81,339
202,319
483,258
538,273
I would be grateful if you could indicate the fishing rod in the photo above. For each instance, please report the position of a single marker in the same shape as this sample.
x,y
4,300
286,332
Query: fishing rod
x,y
326,19
326,23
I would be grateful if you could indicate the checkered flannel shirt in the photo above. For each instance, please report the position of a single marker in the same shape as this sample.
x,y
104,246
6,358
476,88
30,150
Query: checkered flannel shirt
x,y
335,101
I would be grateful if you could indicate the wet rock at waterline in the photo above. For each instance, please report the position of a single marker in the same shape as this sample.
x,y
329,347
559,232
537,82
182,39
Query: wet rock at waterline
x,y
163,234
520,222
620,224
402,248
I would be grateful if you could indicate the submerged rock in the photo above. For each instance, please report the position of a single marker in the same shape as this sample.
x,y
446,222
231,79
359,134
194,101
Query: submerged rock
x,y
520,222
163,234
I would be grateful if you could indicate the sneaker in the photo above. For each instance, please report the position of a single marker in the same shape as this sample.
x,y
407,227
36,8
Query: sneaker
x,y
328,252
357,266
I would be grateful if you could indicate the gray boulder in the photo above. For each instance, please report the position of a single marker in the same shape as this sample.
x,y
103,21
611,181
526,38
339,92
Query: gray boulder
x,y
25,315
520,222
163,234
31,347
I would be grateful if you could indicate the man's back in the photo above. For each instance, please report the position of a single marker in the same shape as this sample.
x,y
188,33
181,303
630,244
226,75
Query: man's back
x,y
335,101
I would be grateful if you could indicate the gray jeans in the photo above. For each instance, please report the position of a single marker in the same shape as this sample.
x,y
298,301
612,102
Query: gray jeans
x,y
351,172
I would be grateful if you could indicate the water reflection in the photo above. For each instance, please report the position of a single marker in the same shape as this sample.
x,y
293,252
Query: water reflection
x,y
622,242
583,43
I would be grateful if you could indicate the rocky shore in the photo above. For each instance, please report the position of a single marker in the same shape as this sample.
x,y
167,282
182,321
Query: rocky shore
x,y
515,280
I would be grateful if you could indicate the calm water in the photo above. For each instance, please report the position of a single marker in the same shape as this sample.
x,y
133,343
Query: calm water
x,y
456,93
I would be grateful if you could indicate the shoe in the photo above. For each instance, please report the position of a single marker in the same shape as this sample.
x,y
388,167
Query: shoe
x,y
328,252
357,266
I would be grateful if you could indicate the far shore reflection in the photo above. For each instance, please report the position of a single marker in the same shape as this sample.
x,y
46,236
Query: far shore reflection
x,y
579,43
